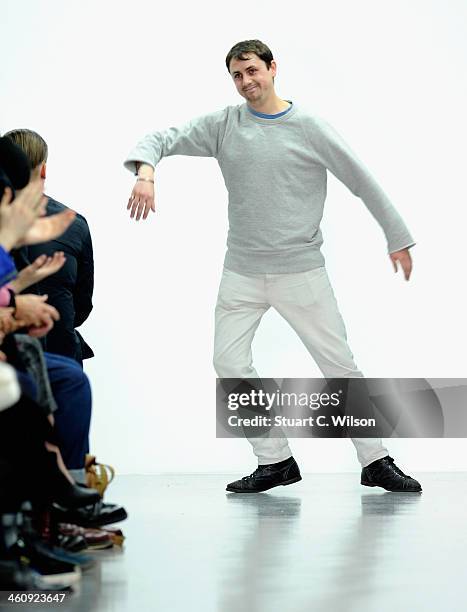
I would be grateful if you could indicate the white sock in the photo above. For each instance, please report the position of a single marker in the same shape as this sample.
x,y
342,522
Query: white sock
x,y
79,475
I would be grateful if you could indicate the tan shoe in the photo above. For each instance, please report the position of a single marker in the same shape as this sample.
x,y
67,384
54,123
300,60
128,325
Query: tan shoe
x,y
98,475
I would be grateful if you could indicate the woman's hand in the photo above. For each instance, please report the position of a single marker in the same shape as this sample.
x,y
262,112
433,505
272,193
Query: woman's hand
x,y
18,216
33,310
41,268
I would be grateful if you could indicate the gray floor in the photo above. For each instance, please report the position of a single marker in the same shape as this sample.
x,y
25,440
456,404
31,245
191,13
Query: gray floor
x,y
325,544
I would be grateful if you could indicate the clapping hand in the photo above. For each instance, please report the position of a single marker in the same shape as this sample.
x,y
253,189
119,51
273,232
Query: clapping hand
x,y
17,217
21,220
48,228
41,268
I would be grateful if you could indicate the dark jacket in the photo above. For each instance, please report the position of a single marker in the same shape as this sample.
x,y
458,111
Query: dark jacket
x,y
70,289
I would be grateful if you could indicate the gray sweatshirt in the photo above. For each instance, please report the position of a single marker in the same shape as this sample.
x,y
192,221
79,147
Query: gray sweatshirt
x,y
275,173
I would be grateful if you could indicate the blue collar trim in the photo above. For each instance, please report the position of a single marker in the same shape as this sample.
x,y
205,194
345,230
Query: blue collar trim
x,y
265,116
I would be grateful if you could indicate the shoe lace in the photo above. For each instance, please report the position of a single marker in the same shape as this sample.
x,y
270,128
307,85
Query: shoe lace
x,y
396,469
252,475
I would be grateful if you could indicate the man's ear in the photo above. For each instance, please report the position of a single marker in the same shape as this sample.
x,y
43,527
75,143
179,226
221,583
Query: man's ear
x,y
44,171
273,68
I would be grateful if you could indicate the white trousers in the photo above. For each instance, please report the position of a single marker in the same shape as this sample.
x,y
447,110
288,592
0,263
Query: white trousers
x,y
306,300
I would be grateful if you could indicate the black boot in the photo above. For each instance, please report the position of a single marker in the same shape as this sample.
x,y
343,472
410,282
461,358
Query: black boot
x,y
65,493
385,473
267,476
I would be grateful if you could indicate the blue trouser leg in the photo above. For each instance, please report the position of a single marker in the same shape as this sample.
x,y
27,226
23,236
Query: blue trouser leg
x,y
27,384
72,392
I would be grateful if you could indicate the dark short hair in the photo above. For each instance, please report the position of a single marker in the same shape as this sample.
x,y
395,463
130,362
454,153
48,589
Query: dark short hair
x,y
31,143
239,50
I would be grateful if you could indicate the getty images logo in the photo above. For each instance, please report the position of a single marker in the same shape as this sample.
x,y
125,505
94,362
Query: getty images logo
x,y
262,399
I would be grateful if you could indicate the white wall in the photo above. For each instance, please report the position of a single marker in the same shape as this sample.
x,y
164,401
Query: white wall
x,y
93,77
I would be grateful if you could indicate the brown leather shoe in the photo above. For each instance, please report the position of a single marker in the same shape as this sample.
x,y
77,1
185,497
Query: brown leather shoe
x,y
96,539
115,534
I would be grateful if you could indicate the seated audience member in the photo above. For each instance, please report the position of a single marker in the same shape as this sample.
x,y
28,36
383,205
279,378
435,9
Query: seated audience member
x,y
70,289
69,384
23,223
30,461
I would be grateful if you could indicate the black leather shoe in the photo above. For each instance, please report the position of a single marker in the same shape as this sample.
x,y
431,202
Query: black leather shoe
x,y
62,491
385,473
74,496
267,476
96,515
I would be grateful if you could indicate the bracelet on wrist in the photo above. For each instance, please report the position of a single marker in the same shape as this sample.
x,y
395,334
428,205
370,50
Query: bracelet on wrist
x,y
145,179
12,303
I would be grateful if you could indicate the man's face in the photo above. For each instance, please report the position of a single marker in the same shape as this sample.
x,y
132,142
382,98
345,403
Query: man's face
x,y
252,78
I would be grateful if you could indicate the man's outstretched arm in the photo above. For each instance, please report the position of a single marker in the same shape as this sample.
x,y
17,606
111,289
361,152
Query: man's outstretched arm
x,y
200,137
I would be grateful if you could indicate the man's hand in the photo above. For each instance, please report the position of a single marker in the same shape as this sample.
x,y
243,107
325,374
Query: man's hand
x,y
142,197
33,310
41,268
141,200
405,262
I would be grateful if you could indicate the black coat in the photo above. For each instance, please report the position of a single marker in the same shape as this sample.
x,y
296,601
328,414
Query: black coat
x,y
70,289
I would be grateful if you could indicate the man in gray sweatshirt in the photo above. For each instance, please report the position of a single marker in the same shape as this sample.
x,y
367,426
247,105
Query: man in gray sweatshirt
x,y
274,159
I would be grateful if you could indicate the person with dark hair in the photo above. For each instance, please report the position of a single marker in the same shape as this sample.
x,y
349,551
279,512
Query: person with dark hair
x,y
37,491
243,50
274,158
69,384
70,289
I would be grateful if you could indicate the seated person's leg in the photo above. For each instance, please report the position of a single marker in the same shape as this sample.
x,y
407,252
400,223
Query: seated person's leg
x,y
72,392
29,471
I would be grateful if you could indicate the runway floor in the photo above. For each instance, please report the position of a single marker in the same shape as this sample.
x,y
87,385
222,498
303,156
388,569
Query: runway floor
x,y
325,544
